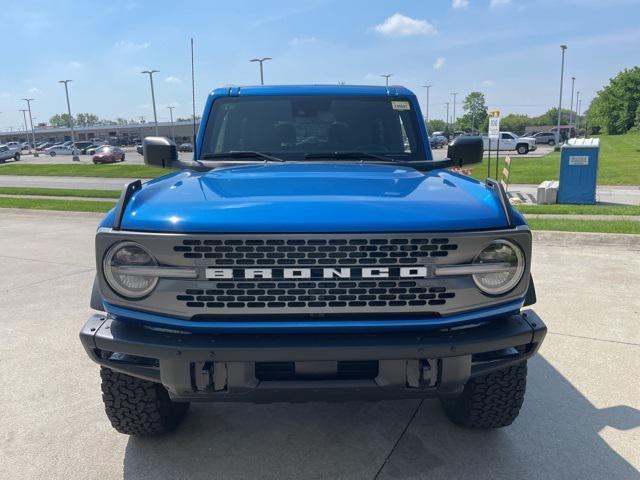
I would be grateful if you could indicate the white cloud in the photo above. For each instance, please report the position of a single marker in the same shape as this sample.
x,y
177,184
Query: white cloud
x,y
172,79
75,64
398,25
499,3
302,40
439,63
35,90
488,83
130,46
460,3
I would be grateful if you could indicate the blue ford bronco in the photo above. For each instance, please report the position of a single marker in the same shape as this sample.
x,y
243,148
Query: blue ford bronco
x,y
312,249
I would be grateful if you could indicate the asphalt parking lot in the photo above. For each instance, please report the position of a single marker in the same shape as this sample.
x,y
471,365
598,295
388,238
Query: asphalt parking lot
x,y
131,157
581,417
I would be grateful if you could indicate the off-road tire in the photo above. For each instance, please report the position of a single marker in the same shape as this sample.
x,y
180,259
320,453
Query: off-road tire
x,y
522,149
489,401
139,407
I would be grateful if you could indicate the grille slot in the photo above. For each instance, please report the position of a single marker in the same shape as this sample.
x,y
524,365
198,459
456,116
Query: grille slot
x,y
310,252
347,370
315,294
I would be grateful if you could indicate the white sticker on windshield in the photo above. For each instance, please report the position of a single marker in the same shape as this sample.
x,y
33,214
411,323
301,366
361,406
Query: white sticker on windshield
x,y
398,105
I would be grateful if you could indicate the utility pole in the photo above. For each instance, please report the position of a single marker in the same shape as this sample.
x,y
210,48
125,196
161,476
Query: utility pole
x,y
577,121
33,132
447,118
455,94
73,137
26,129
562,48
153,96
173,132
427,111
386,78
573,81
261,61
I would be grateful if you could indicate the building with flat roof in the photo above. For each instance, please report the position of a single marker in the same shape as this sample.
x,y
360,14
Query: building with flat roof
x,y
121,134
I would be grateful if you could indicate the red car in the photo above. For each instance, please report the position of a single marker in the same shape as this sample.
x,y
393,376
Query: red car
x,y
108,154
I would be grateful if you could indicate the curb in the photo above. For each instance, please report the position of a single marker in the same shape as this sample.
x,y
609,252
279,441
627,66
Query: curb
x,y
552,237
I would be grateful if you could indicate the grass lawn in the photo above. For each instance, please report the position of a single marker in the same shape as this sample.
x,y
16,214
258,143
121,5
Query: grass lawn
x,y
580,209
106,171
600,226
619,163
60,192
60,205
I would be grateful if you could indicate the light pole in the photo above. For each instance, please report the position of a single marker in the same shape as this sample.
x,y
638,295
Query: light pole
x,y
261,61
386,78
73,137
33,132
577,112
153,96
427,112
173,132
573,81
578,119
26,129
455,94
447,118
562,48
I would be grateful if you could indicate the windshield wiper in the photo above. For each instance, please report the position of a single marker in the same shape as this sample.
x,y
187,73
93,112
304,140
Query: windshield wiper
x,y
243,154
349,155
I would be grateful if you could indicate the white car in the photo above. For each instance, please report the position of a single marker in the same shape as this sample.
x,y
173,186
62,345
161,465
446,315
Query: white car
x,y
510,141
61,150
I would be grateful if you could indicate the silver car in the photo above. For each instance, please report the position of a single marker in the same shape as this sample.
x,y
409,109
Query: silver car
x,y
7,153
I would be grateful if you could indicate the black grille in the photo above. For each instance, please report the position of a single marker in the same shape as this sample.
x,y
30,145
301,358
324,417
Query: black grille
x,y
315,294
303,252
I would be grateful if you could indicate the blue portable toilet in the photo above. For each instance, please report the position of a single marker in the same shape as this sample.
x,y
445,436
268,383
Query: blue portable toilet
x,y
579,171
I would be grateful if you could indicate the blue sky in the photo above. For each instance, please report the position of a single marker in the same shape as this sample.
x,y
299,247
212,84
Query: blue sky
x,y
508,49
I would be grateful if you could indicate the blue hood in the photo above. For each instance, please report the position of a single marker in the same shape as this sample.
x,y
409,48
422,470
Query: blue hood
x,y
314,197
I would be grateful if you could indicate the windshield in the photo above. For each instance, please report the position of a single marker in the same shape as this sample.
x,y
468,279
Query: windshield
x,y
292,126
103,150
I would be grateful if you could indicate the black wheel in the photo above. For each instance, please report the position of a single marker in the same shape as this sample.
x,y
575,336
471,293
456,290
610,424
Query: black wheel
x,y
16,157
552,142
489,401
52,154
139,407
523,149
122,158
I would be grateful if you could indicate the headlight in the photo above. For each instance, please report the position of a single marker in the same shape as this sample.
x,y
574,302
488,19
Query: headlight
x,y
116,261
501,281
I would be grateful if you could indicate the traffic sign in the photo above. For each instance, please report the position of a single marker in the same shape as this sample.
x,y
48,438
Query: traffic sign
x,y
494,123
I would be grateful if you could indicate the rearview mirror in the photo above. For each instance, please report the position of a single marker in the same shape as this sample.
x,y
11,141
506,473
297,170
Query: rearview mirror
x,y
159,152
465,150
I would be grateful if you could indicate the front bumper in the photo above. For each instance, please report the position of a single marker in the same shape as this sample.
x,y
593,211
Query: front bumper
x,y
212,367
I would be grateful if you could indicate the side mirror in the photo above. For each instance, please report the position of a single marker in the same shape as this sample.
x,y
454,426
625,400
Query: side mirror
x,y
159,152
465,150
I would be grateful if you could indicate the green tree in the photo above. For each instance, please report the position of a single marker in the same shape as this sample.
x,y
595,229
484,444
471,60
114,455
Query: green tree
x,y
86,119
59,120
615,107
516,123
436,126
475,108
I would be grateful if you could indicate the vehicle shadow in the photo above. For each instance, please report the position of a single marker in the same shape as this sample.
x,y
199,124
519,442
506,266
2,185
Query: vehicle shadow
x,y
556,436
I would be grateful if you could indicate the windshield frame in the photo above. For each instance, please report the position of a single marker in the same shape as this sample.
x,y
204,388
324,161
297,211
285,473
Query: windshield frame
x,y
416,132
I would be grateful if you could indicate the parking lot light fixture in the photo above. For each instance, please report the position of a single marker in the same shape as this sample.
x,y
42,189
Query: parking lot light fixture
x,y
261,61
562,48
573,81
153,96
455,94
173,132
386,78
26,128
33,132
73,137
427,109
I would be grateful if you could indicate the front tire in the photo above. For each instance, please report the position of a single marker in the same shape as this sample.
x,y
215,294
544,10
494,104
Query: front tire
x,y
552,143
489,401
139,407
52,154
523,149
16,157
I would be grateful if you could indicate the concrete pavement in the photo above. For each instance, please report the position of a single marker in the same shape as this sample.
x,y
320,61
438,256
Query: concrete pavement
x,y
581,417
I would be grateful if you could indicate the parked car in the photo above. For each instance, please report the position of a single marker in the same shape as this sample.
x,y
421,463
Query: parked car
x,y
185,147
25,146
43,146
339,274
510,141
83,145
61,150
548,138
16,145
108,154
139,149
91,149
438,141
7,153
